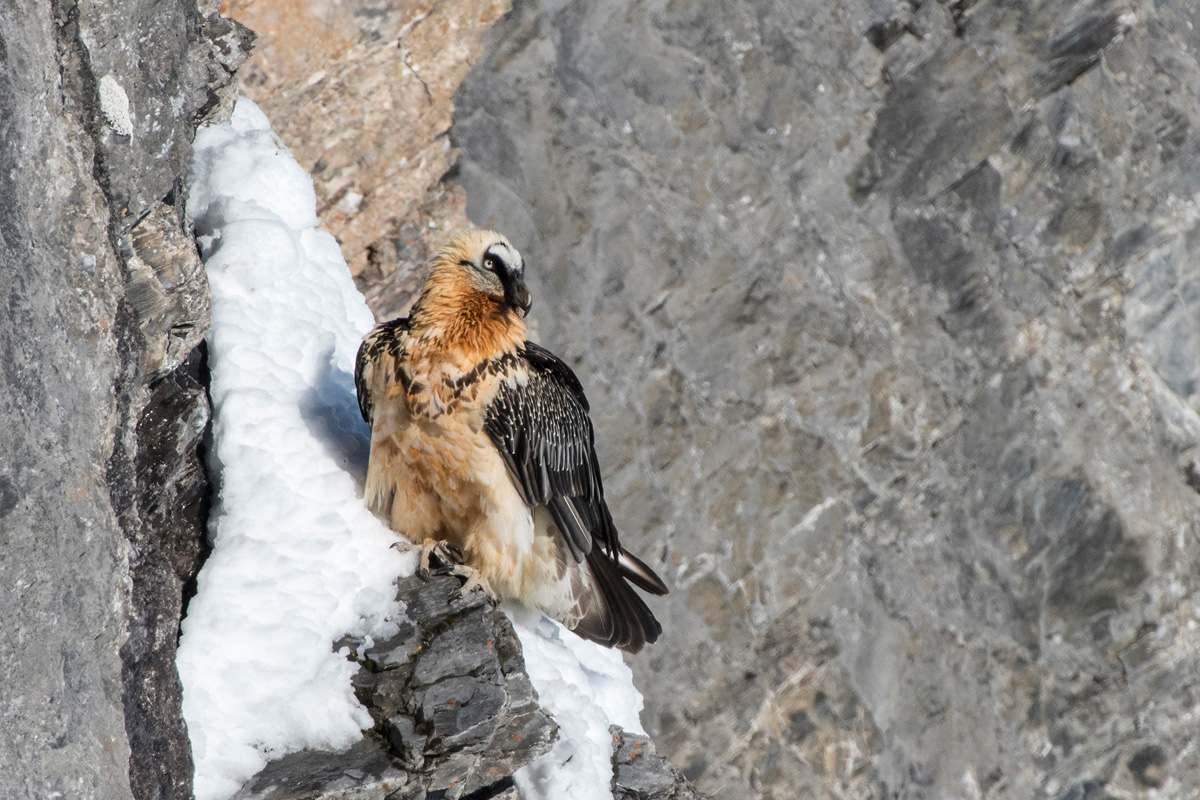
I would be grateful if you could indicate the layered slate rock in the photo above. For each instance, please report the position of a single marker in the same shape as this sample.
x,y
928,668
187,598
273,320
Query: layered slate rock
x,y
455,712
889,314
101,492
365,771
640,773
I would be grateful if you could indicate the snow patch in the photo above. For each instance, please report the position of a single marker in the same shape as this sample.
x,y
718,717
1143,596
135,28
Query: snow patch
x,y
585,688
297,559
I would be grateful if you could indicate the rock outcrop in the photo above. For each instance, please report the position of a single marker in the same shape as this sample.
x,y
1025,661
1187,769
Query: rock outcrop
x,y
640,773
450,692
455,714
888,313
101,493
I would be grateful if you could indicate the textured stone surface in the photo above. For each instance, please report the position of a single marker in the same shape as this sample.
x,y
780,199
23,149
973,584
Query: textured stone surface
x,y
450,693
165,523
100,490
640,773
62,600
455,712
888,313
143,72
366,771
360,92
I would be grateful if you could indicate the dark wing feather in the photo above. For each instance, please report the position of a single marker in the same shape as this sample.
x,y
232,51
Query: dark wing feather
x,y
542,359
623,620
543,433
383,339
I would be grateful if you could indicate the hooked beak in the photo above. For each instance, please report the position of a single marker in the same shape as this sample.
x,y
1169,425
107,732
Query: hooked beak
x,y
516,294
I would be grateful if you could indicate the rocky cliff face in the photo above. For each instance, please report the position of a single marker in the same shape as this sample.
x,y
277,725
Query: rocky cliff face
x,y
888,314
101,494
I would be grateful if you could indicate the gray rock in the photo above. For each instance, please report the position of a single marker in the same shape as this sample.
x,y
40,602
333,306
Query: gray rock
x,y
455,713
166,528
145,73
101,493
640,773
224,46
63,602
461,712
167,289
365,771
889,314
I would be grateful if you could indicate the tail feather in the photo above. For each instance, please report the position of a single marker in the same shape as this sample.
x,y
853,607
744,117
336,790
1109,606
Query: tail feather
x,y
592,598
621,619
635,570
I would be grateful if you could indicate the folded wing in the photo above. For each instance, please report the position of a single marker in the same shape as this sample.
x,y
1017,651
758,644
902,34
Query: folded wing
x,y
544,435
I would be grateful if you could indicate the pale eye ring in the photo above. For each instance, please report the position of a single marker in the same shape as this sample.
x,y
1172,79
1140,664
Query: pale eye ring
x,y
490,263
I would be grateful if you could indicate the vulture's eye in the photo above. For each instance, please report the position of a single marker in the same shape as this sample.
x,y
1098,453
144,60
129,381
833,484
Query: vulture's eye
x,y
491,263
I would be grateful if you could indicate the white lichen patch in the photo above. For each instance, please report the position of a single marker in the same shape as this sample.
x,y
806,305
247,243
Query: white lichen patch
x,y
114,104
